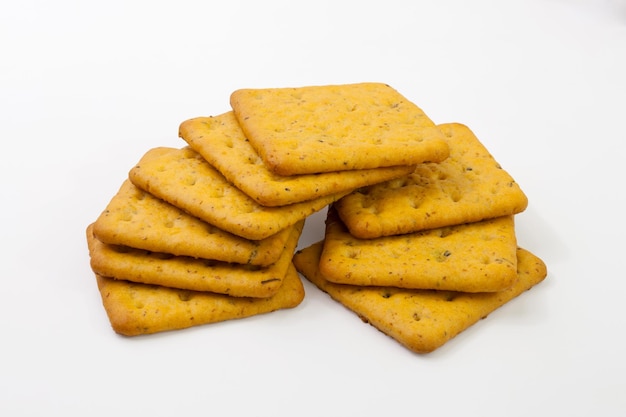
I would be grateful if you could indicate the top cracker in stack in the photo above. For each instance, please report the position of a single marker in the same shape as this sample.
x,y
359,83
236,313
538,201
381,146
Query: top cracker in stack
x,y
309,130
469,186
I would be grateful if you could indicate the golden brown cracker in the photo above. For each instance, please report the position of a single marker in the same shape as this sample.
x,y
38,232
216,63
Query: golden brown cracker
x,y
313,129
130,264
474,257
139,220
221,141
136,309
468,186
421,320
184,179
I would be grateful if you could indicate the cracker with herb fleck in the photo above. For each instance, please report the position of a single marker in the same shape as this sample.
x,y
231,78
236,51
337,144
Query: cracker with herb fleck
x,y
139,220
420,320
238,280
468,186
186,180
138,309
473,257
221,141
313,129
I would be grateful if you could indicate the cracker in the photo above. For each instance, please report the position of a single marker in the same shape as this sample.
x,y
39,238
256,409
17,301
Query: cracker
x,y
421,320
136,309
237,280
474,257
221,141
468,186
314,129
139,220
184,179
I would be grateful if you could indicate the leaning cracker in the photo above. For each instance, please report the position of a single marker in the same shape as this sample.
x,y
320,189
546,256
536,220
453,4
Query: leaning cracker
x,y
135,309
307,130
122,262
139,220
468,186
474,257
221,141
421,320
184,179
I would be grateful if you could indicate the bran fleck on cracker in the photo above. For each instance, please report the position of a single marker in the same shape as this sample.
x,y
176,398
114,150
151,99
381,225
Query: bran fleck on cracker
x,y
308,130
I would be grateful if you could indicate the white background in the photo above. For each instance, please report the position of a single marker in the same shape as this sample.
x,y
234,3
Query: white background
x,y
86,88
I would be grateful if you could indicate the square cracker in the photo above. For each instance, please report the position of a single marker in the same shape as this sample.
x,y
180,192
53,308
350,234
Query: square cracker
x,y
474,257
468,186
136,309
221,141
237,280
139,220
421,320
186,180
307,130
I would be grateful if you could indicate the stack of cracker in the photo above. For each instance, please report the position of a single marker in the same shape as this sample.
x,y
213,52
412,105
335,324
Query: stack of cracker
x,y
206,232
160,268
424,257
419,239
